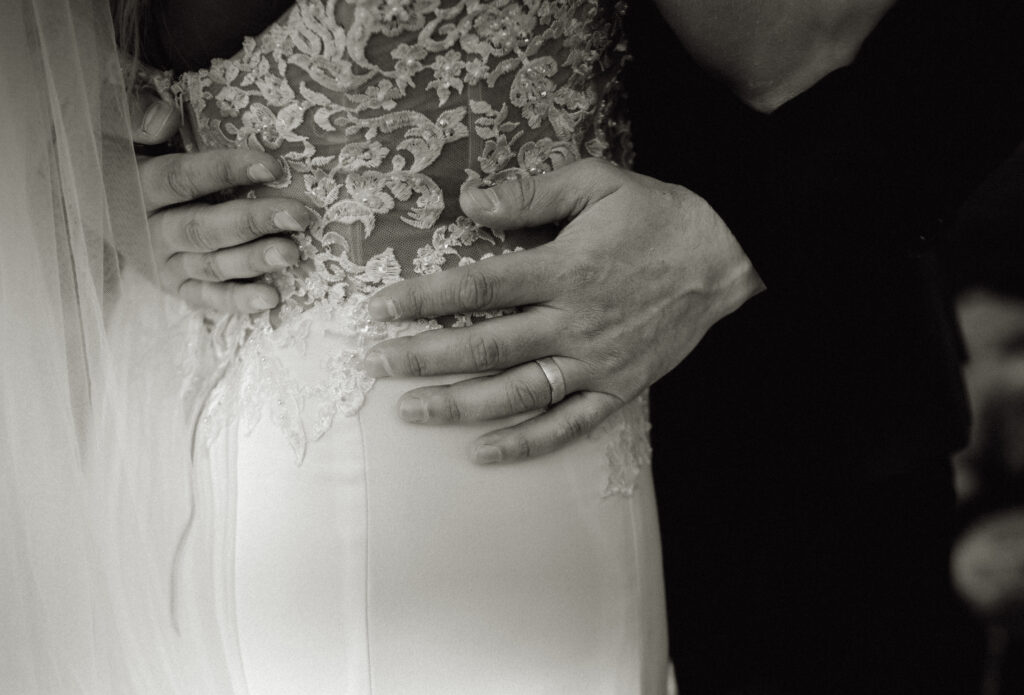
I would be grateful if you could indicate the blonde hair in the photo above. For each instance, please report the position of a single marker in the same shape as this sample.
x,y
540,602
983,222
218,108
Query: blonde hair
x,y
128,28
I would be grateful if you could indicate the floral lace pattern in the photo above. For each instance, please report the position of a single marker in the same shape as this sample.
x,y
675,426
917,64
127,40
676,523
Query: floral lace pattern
x,y
262,377
628,431
380,111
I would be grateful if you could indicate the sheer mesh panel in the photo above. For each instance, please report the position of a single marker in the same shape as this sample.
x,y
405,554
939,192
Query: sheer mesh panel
x,y
383,110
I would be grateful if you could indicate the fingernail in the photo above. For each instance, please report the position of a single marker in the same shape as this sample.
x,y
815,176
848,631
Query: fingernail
x,y
383,309
260,173
274,257
283,220
486,454
156,117
261,303
412,410
483,198
377,365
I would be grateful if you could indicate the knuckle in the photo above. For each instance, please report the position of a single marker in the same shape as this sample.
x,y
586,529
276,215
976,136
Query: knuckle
x,y
413,365
180,181
251,227
581,275
573,426
518,445
521,396
194,234
211,268
444,408
221,170
618,356
485,351
589,324
526,191
410,299
475,290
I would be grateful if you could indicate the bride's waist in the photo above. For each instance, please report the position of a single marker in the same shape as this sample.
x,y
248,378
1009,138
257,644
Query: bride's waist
x,y
321,319
306,373
342,264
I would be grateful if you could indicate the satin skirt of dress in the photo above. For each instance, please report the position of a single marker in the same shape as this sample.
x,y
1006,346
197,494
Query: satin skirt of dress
x,y
385,562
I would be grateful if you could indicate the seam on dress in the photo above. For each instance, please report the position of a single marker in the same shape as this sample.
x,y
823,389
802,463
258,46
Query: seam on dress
x,y
366,551
638,591
230,590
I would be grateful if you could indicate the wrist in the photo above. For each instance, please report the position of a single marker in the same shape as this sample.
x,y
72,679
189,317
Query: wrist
x,y
737,282
731,275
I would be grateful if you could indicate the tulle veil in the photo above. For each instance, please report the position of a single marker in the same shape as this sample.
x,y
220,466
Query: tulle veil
x,y
101,377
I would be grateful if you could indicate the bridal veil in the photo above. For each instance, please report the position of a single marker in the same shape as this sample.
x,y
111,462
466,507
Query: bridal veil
x,y
100,378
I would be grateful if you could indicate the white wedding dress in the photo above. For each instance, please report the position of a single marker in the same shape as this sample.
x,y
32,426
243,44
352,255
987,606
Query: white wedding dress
x,y
351,552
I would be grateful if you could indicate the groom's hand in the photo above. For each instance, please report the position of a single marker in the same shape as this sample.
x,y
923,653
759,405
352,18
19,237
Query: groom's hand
x,y
628,288
204,251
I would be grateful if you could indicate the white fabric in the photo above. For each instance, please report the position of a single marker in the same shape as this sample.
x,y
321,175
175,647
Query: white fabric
x,y
137,558
386,563
356,553
94,424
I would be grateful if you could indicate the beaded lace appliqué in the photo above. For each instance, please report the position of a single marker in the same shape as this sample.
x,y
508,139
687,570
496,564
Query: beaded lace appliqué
x,y
380,110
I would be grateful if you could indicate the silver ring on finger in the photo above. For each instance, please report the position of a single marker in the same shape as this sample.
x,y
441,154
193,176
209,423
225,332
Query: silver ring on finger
x,y
556,378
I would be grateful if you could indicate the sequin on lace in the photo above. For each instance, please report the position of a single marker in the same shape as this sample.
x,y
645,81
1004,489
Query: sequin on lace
x,y
380,111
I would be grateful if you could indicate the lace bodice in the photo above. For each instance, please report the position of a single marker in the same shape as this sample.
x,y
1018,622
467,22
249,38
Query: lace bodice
x,y
381,111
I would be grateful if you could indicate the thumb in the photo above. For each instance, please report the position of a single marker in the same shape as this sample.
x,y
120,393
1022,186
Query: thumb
x,y
154,121
533,201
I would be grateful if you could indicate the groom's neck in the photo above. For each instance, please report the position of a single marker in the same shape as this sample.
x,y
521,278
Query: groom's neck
x,y
769,51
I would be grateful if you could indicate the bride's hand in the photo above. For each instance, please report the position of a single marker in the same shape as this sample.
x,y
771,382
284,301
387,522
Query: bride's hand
x,y
628,288
204,250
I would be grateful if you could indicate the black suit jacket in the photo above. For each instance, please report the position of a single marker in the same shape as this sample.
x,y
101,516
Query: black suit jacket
x,y
847,367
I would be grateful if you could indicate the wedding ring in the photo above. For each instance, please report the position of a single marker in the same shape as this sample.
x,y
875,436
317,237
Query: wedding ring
x,y
556,379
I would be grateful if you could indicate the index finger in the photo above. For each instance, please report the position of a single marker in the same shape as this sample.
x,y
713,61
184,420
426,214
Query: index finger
x,y
499,282
171,179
